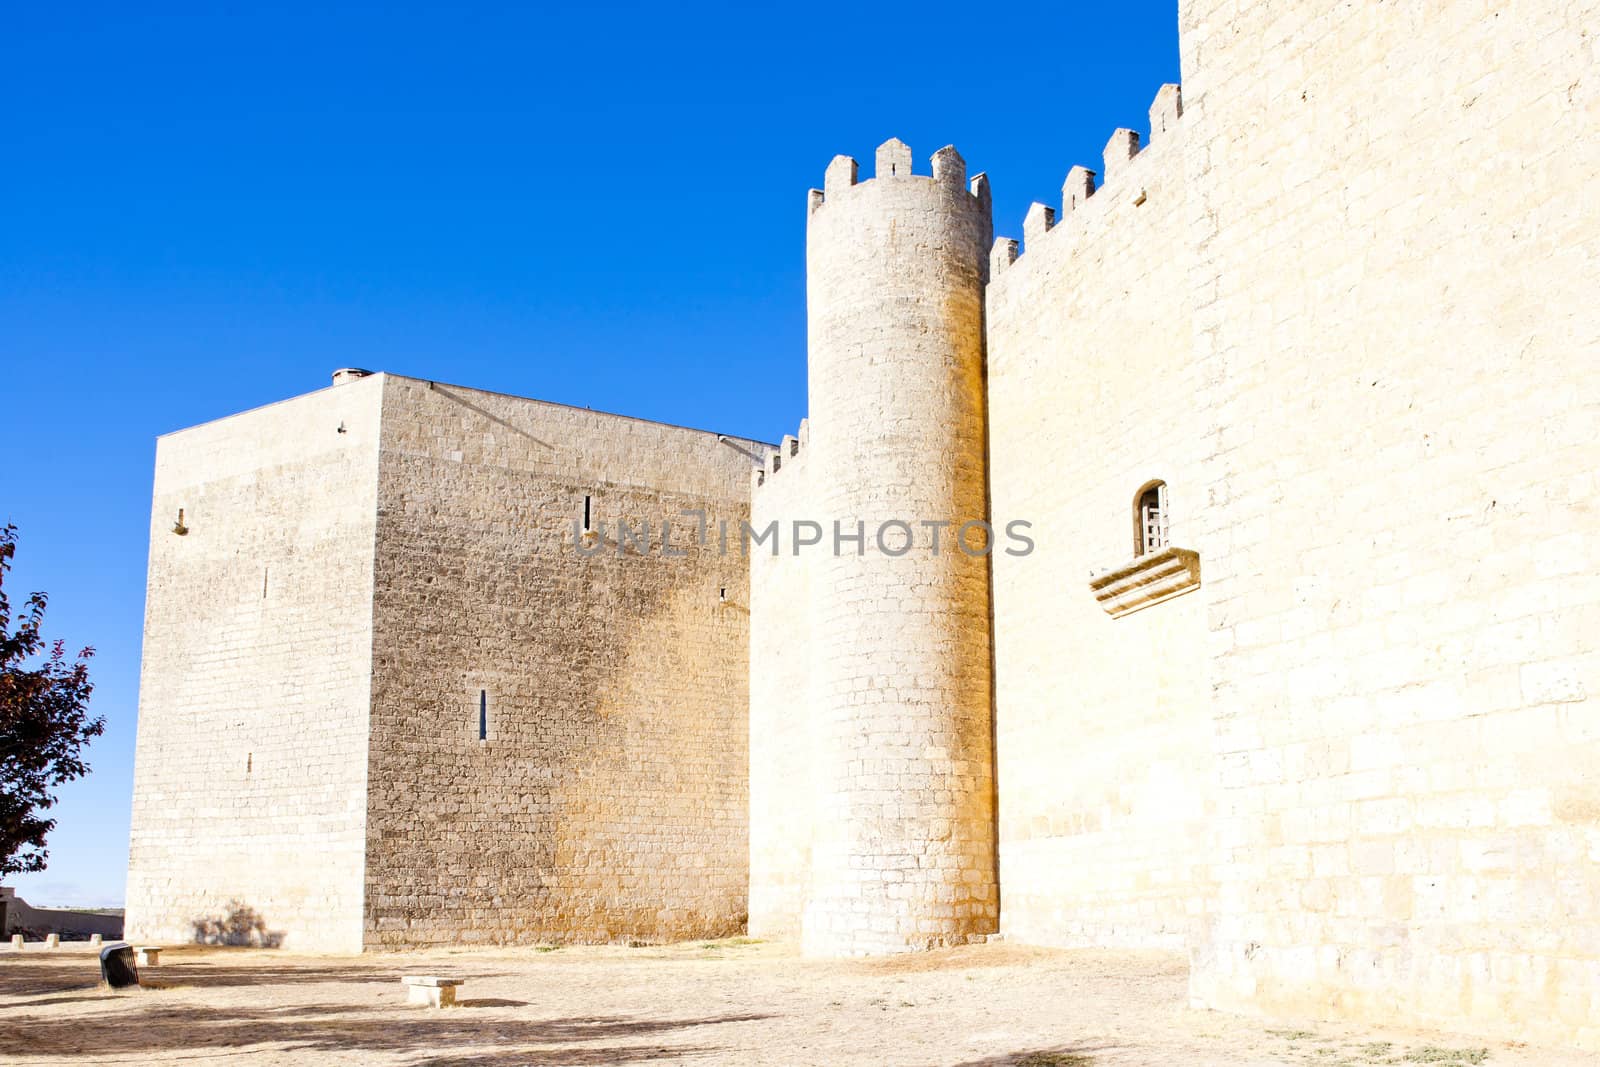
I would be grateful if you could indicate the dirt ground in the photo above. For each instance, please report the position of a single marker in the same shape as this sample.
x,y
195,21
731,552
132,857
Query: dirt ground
x,y
723,1002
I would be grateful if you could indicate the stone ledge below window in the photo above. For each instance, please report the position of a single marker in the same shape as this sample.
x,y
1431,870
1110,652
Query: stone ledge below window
x,y
1148,580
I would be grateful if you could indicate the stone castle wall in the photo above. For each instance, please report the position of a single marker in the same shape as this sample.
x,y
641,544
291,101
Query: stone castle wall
x,y
1396,326
18,916
1351,770
249,800
784,734
1341,305
903,850
1106,781
360,564
609,799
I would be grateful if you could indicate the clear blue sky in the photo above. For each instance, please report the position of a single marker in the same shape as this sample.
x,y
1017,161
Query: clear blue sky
x,y
599,205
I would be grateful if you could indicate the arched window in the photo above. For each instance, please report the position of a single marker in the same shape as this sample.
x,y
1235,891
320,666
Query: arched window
x,y
1150,518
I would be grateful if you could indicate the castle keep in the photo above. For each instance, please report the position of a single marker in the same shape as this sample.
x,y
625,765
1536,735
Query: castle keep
x,y
386,701
1296,396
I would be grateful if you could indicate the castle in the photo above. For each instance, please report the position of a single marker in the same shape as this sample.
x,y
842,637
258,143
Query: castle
x,y
1265,622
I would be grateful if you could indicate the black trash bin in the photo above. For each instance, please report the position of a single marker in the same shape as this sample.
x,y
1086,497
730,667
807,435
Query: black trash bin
x,y
117,966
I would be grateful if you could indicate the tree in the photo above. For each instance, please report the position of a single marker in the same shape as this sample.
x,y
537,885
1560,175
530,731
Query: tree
x,y
43,724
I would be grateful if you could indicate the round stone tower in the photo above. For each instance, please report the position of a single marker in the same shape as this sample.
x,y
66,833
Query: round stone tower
x,y
904,849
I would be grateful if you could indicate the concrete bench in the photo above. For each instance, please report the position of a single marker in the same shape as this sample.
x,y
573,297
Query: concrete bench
x,y
430,990
148,955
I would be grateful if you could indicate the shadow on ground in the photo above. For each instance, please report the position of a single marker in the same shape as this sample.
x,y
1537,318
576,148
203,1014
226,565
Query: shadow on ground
x,y
1077,1055
307,1030
163,1017
81,971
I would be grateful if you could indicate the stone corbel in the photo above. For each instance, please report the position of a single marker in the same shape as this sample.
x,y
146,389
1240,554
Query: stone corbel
x,y
1147,580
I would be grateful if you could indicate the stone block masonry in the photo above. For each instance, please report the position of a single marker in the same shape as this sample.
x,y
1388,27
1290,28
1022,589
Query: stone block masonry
x,y
876,821
609,799
1107,780
1351,771
387,703
903,856
250,769
784,762
1395,324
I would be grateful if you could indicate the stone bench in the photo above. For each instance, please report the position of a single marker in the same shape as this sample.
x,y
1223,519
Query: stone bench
x,y
430,990
148,955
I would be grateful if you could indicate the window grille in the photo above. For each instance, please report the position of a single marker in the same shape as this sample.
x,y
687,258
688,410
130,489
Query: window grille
x,y
1150,519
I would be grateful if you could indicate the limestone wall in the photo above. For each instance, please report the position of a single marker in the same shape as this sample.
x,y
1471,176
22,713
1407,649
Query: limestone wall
x,y
1103,728
609,799
1396,325
903,856
784,765
17,915
250,769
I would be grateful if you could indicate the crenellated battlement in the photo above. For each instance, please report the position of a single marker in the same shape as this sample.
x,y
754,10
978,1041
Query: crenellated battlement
x,y
1120,162
790,452
892,162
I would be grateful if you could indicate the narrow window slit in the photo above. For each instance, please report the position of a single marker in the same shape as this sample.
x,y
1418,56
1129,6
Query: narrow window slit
x,y
483,715
587,509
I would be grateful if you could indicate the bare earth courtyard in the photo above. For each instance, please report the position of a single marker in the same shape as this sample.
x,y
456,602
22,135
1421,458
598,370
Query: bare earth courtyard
x,y
708,1002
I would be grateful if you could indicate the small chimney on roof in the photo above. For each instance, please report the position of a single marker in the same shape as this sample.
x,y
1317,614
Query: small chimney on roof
x,y
346,375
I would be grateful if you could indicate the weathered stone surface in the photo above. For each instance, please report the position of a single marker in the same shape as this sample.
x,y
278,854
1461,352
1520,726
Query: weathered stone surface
x,y
1352,771
250,772
369,571
874,803
609,800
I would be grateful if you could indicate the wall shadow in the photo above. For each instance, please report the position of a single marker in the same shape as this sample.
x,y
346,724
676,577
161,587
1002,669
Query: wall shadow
x,y
241,925
450,394
158,1028
80,973
1075,1055
208,975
